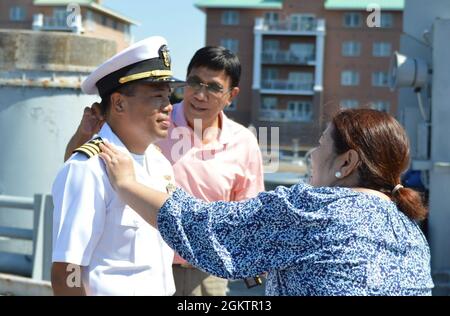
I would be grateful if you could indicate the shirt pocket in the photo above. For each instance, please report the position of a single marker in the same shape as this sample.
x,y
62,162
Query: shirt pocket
x,y
128,218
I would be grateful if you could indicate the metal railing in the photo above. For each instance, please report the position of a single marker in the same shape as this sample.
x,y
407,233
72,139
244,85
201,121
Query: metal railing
x,y
287,25
286,57
283,116
40,235
276,84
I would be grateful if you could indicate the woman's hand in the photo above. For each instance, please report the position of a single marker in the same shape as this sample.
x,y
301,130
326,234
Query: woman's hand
x,y
119,166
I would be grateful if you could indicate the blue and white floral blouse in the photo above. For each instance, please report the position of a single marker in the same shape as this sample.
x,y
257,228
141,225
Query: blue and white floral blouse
x,y
311,241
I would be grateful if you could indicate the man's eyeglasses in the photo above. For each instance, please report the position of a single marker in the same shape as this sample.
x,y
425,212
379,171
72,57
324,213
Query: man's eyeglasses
x,y
212,88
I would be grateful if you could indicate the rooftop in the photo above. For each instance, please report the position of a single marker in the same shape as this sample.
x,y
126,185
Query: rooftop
x,y
240,4
93,4
396,5
393,5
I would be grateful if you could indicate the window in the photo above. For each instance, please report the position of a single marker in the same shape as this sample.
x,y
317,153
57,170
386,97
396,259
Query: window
x,y
303,22
271,17
231,44
90,20
269,103
303,51
381,106
104,20
352,19
230,18
349,104
300,110
349,78
380,79
382,49
115,24
387,20
17,14
270,74
351,49
271,46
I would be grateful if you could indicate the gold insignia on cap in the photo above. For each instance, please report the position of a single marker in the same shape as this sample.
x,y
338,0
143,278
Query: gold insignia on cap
x,y
147,74
91,148
164,53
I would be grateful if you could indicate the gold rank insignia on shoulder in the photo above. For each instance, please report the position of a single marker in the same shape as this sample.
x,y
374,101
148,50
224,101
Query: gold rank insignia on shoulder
x,y
91,148
170,188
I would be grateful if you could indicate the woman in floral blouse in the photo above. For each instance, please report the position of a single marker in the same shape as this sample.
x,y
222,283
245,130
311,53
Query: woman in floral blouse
x,y
351,231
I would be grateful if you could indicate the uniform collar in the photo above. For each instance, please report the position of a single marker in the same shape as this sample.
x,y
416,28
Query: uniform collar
x,y
107,133
179,120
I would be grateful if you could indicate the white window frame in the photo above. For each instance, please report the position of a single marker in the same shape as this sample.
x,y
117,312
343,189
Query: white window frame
x,y
300,110
379,105
17,14
386,20
230,17
349,78
349,104
230,44
380,79
352,19
351,49
382,49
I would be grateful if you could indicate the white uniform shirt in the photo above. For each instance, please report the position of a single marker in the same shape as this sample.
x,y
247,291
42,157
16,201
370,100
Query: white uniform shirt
x,y
121,253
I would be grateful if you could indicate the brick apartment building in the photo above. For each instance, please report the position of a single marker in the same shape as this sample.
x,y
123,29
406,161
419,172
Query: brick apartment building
x,y
51,15
303,59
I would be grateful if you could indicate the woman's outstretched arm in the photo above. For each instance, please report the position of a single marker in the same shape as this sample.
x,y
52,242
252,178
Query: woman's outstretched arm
x,y
144,200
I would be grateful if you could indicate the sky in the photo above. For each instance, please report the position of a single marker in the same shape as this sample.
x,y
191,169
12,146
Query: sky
x,y
182,24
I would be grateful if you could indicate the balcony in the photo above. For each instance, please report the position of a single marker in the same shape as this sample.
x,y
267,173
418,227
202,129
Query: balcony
x,y
283,116
287,58
287,87
307,27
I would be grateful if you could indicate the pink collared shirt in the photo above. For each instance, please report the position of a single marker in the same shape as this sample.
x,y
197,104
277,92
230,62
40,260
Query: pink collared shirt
x,y
229,169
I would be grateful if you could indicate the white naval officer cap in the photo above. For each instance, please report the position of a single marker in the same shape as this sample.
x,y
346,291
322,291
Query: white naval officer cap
x,y
147,60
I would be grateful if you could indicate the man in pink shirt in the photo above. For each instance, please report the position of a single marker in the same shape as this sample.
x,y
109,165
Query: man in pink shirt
x,y
214,158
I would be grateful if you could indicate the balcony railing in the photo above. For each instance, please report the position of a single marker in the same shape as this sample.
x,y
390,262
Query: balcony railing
x,y
306,26
286,57
287,85
283,116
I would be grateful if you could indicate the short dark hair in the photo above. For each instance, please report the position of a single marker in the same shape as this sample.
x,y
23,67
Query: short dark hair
x,y
217,58
126,89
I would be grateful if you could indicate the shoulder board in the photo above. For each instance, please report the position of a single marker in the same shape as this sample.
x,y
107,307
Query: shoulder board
x,y
91,148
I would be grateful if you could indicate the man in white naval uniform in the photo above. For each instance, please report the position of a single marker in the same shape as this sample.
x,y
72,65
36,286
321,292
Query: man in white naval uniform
x,y
100,245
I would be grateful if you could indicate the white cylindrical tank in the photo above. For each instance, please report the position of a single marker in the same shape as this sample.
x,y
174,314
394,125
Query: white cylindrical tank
x,y
41,105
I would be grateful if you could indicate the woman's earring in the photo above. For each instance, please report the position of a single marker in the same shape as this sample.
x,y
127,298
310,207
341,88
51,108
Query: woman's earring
x,y
338,174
